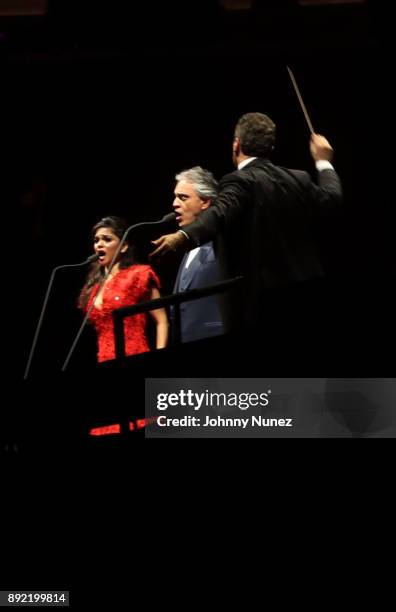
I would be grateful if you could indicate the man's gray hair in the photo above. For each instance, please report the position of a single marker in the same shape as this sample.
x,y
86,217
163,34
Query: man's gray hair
x,y
202,180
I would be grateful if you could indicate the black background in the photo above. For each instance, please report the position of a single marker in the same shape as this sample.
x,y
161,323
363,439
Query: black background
x,y
101,106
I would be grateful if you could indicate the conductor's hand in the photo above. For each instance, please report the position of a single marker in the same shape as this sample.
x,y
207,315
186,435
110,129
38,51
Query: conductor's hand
x,y
321,148
169,243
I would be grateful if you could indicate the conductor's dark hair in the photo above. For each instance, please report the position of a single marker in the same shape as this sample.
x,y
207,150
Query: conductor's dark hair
x,y
257,134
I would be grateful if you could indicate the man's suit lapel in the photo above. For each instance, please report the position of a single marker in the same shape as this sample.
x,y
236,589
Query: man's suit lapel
x,y
197,263
185,277
178,280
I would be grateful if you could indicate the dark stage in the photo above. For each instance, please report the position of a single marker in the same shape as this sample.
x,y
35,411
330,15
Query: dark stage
x,y
102,104
98,116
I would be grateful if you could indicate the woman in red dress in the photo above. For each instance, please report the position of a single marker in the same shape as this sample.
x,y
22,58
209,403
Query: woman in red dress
x,y
127,284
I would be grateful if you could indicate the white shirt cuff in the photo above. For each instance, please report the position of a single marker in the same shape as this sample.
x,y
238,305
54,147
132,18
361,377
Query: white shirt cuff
x,y
323,164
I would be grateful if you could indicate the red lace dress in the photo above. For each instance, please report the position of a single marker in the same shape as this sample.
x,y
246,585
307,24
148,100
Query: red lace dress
x,y
126,288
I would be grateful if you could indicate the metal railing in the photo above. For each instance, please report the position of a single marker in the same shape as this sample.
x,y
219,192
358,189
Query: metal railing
x,y
171,300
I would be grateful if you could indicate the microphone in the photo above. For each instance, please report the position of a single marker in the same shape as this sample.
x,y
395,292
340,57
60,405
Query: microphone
x,y
169,217
37,332
165,219
92,258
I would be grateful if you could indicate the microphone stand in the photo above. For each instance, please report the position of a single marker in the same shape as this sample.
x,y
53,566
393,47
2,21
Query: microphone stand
x,y
51,281
165,219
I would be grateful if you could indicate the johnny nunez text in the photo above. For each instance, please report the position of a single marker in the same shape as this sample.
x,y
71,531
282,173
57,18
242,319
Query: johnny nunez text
x,y
253,421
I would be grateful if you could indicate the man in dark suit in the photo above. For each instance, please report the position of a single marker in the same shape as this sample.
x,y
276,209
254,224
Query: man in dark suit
x,y
194,192
263,222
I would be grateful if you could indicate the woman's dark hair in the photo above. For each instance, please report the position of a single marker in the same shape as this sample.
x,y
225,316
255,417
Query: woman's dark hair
x,y
96,273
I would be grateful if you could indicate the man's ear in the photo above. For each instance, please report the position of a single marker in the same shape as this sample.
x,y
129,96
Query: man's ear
x,y
206,204
236,146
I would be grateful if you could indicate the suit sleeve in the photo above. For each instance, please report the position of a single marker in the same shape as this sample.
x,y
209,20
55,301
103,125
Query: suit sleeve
x,y
231,203
327,195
